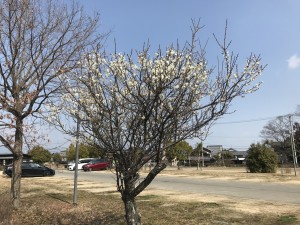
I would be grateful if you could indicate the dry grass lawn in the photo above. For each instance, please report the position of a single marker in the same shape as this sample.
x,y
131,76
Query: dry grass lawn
x,y
48,201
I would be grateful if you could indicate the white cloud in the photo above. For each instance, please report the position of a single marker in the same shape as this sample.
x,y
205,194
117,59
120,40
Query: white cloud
x,y
294,62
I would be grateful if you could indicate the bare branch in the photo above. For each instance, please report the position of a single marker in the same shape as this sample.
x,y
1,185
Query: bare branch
x,y
39,42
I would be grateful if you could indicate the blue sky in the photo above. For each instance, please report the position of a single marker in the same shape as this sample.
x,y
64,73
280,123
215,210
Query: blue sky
x,y
269,28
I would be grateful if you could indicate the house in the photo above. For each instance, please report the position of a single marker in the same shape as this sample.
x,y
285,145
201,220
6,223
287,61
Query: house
x,y
215,149
63,155
238,156
206,153
8,158
197,157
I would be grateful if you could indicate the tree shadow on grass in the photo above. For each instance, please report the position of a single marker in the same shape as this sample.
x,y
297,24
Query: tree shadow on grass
x,y
59,197
109,219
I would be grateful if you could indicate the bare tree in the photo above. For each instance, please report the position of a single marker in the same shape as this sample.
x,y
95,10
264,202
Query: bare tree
x,y
39,40
136,107
297,113
277,133
277,130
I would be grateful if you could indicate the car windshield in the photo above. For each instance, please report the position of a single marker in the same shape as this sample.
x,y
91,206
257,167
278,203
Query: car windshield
x,y
31,165
35,165
84,161
97,161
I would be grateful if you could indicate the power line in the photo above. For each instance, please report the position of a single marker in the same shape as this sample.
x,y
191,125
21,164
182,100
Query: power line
x,y
253,120
247,121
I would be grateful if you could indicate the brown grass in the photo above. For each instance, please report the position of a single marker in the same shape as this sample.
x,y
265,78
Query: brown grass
x,y
285,174
47,201
5,208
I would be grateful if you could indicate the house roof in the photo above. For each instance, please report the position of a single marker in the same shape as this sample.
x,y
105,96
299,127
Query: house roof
x,y
10,156
205,151
240,153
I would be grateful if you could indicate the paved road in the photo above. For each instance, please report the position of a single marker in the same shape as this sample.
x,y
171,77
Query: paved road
x,y
285,193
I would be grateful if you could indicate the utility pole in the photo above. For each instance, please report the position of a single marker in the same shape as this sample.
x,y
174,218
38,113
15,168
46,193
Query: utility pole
x,y
198,161
202,159
202,154
76,163
293,144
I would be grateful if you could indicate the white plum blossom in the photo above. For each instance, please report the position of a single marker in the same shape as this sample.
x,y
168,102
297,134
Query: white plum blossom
x,y
176,77
137,106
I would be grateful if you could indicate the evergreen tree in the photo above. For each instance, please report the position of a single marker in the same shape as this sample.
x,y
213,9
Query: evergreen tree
x,y
39,154
261,159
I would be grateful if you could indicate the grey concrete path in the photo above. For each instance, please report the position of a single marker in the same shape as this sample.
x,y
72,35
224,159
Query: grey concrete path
x,y
276,192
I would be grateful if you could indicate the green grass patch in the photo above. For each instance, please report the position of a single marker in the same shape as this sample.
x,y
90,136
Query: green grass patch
x,y
287,219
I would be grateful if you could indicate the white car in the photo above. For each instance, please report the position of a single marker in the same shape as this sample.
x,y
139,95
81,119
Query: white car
x,y
81,163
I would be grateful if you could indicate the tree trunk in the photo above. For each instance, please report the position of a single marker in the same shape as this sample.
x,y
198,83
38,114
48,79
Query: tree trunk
x,y
16,181
132,215
17,164
129,190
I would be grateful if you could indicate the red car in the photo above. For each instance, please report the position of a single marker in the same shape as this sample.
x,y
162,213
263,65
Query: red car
x,y
97,164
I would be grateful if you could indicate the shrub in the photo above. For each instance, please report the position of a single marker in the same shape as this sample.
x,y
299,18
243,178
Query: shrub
x,y
261,159
39,154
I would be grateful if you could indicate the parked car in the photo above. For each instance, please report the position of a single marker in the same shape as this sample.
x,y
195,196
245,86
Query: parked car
x,y
97,164
30,169
81,163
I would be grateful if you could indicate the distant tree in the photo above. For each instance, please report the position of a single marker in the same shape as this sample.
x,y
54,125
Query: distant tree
x,y
92,150
277,133
70,152
261,159
226,155
216,157
95,151
179,151
297,110
56,157
277,130
39,154
197,150
297,139
84,151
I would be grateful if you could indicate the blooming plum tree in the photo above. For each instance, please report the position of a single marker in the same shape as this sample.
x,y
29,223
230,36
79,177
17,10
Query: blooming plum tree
x,y
136,107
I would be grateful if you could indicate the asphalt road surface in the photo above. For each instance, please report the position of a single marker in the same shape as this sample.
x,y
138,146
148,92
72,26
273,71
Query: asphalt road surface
x,y
285,193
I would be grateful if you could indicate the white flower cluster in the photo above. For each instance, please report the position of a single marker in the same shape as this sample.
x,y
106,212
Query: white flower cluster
x,y
174,79
252,70
91,62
